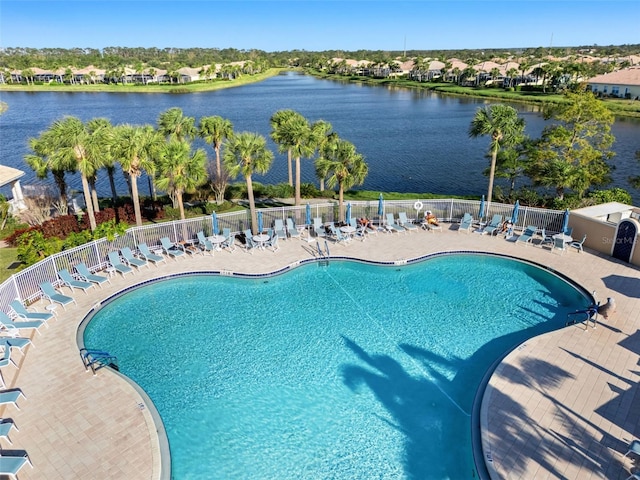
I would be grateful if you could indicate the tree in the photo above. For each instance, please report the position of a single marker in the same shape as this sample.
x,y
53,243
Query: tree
x,y
180,171
502,124
135,147
282,134
73,143
246,153
214,131
511,163
42,163
174,125
321,134
343,166
105,160
573,153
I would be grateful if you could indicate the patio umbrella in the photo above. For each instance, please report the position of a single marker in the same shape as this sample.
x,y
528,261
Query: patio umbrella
x,y
348,215
214,222
514,215
380,208
481,212
259,222
565,221
307,220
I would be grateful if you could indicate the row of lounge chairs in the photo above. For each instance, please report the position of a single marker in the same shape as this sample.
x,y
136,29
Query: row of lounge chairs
x,y
21,319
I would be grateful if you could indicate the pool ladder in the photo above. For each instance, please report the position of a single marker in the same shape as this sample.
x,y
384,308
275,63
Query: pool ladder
x,y
324,255
97,359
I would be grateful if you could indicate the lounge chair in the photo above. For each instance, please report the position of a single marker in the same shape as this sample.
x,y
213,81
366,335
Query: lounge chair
x,y
16,342
86,275
10,465
291,229
527,236
50,293
578,245
5,427
392,226
465,223
405,222
13,328
278,226
131,260
10,397
69,281
318,229
149,256
22,312
172,249
5,360
494,225
204,243
117,265
337,234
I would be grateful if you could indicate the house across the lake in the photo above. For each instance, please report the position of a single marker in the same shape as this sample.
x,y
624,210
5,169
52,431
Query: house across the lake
x,y
623,83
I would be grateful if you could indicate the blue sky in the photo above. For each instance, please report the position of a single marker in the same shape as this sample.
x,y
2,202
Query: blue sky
x,y
318,25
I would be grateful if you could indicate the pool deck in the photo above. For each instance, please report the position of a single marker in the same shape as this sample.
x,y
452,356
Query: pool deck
x,y
562,405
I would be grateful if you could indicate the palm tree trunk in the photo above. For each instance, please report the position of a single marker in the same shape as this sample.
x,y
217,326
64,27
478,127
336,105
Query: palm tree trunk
x,y
112,184
178,195
61,183
298,198
289,163
492,174
87,200
252,206
136,200
94,195
340,201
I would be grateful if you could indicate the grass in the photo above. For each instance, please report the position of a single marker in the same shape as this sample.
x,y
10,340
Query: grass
x,y
152,88
8,257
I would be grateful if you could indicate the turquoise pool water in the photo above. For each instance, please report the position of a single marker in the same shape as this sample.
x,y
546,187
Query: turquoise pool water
x,y
350,371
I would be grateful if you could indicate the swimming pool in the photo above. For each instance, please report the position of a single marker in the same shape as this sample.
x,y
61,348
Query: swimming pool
x,y
346,371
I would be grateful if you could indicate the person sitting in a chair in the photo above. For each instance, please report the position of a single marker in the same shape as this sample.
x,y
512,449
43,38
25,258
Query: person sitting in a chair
x,y
430,218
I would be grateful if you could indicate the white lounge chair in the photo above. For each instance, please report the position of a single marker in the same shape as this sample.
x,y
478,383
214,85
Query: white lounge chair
x,y
117,265
50,293
465,223
172,249
10,465
69,281
403,221
150,256
22,312
85,274
131,260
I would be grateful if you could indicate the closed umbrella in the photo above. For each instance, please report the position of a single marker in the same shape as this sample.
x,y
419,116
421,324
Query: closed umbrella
x,y
259,222
307,220
214,222
348,215
565,221
514,215
380,208
481,212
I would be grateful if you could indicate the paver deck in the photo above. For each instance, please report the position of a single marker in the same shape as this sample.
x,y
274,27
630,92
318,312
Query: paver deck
x,y
560,406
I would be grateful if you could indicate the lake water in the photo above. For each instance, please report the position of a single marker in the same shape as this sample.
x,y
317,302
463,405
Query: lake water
x,y
413,141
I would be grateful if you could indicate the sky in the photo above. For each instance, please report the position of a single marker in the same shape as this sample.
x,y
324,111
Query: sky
x,y
319,25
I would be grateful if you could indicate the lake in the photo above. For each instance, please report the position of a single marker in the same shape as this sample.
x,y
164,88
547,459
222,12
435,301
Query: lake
x,y
413,141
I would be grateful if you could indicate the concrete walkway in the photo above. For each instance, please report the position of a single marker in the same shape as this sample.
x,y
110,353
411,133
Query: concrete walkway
x,y
560,406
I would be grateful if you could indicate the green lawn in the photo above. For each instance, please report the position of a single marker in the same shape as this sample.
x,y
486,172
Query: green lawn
x,y
7,259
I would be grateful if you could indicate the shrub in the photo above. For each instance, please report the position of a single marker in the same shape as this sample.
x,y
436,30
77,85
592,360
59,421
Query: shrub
x,y
33,247
612,195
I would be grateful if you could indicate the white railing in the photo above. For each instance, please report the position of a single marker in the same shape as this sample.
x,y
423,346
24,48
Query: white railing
x,y
25,285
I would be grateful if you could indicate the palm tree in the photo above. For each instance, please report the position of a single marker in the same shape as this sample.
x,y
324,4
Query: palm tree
x,y
42,163
73,142
104,126
246,153
344,167
180,171
321,134
135,147
303,146
214,131
502,123
172,124
281,134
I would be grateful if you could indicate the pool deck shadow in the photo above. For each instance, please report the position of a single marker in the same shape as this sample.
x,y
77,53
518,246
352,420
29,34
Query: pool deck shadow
x,y
559,406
